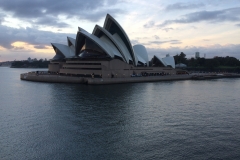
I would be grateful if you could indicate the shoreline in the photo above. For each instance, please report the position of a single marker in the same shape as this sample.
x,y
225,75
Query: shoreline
x,y
55,78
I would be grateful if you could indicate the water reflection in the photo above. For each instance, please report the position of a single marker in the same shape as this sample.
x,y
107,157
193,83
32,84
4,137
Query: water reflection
x,y
160,120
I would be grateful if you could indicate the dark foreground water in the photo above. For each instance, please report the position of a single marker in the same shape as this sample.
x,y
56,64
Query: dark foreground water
x,y
161,120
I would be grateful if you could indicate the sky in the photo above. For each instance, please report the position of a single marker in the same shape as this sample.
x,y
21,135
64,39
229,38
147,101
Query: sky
x,y
27,27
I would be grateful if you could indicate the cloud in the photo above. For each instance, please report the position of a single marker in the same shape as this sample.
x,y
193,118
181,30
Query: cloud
x,y
32,36
162,42
1,17
193,27
47,13
156,37
50,21
40,47
20,43
18,48
139,38
167,29
238,25
183,6
149,24
175,42
231,14
134,42
94,16
232,50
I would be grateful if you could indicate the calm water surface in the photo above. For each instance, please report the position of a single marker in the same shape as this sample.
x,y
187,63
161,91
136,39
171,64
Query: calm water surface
x,y
160,120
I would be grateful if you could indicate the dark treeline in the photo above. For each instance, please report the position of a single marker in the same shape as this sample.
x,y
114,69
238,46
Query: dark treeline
x,y
26,64
229,64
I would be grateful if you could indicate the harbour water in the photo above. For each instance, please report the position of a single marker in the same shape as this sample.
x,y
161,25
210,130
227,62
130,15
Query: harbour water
x,y
161,120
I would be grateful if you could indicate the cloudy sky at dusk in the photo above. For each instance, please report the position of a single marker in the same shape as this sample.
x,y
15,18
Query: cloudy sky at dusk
x,y
210,27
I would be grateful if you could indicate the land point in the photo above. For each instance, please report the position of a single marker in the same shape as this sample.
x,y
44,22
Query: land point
x,y
106,56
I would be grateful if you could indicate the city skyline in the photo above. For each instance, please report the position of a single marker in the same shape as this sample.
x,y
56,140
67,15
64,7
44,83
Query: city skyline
x,y
27,28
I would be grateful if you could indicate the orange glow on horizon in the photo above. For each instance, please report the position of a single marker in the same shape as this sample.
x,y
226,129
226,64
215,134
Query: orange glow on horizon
x,y
29,47
2,48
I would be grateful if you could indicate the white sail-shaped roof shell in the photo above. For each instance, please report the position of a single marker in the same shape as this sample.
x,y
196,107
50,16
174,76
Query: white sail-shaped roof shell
x,y
111,38
71,41
123,47
111,48
141,54
169,61
103,43
81,29
161,60
123,38
71,44
65,50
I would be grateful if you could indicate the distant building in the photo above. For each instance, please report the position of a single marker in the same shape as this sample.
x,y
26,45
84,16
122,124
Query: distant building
x,y
106,56
106,53
197,55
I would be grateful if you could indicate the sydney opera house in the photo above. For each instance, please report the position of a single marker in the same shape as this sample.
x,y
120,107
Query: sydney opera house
x,y
107,54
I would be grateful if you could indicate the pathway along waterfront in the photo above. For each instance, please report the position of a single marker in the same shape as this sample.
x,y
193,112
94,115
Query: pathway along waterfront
x,y
55,78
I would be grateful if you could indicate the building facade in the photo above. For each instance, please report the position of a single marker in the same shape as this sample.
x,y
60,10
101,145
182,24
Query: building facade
x,y
107,53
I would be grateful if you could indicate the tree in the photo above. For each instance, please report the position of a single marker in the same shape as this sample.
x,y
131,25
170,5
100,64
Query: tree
x,y
181,58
